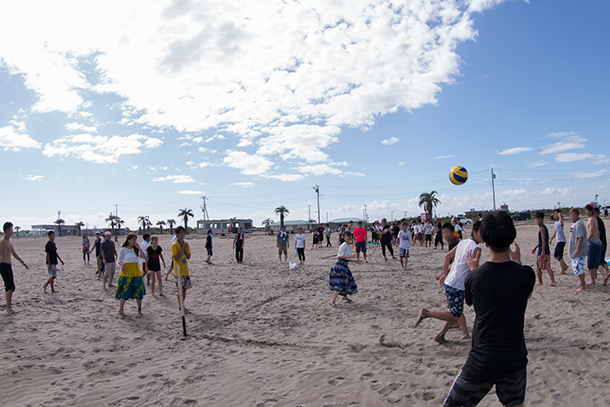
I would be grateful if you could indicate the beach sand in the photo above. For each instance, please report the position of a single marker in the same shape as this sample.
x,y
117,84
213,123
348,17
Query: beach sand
x,y
261,335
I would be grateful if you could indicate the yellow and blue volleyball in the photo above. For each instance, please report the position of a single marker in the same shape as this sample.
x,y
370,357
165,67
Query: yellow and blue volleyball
x,y
458,175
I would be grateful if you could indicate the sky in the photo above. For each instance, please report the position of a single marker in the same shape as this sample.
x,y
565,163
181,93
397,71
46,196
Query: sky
x,y
146,106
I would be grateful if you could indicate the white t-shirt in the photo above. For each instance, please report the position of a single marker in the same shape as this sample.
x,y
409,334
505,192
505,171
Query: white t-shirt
x,y
344,250
128,256
145,245
457,227
459,268
428,229
301,241
404,237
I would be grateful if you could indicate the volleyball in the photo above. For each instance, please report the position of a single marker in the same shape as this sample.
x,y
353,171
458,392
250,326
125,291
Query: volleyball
x,y
458,175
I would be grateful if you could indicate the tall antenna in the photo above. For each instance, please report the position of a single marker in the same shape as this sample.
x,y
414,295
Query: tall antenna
x,y
204,208
493,186
317,189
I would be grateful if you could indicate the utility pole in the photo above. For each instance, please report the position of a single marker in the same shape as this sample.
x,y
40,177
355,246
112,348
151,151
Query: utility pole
x,y
493,186
58,215
317,189
205,209
116,211
392,216
309,209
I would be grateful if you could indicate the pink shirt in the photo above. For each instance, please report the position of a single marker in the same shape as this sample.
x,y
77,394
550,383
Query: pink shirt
x,y
360,234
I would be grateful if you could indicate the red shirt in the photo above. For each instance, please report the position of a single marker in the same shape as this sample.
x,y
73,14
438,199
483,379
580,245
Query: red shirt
x,y
360,234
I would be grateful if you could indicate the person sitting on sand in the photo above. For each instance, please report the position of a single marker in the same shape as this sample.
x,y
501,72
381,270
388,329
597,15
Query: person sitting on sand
x,y
181,253
341,280
6,270
52,257
543,260
452,280
499,290
131,282
577,247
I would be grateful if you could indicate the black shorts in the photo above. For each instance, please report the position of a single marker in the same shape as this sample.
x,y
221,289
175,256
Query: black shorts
x,y
7,276
360,247
469,392
559,250
428,238
209,250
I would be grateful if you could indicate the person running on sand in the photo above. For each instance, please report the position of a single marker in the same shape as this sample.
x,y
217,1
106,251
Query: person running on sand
x,y
602,236
208,247
455,271
6,268
131,281
52,257
561,240
181,254
283,243
499,290
577,247
154,256
300,239
543,260
108,257
594,257
341,280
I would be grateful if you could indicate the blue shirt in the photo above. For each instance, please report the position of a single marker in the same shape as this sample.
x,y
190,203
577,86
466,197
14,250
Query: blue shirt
x,y
546,247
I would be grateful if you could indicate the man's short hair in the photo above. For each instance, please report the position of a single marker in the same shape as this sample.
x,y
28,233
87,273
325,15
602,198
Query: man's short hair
x,y
146,236
476,226
498,231
449,226
51,232
558,210
180,229
540,215
359,223
589,207
575,211
7,226
597,209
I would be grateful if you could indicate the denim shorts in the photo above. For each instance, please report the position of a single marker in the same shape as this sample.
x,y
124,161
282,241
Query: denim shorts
x,y
52,270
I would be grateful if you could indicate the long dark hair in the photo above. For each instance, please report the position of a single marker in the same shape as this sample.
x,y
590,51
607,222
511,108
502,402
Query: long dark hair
x,y
127,239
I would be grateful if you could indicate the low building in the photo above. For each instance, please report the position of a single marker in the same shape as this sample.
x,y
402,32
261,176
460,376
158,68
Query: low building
x,y
335,223
219,226
66,230
292,225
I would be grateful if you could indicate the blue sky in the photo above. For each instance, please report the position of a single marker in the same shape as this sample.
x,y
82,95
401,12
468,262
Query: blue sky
x,y
150,108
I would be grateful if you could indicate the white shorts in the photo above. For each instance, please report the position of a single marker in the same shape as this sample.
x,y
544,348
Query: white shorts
x,y
578,265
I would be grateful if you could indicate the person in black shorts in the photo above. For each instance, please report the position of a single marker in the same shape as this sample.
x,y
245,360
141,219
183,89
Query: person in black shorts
x,y
6,270
439,234
153,264
602,236
208,246
238,245
499,291
386,239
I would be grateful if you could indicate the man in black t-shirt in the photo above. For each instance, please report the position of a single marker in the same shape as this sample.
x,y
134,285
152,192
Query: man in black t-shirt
x,y
386,239
499,291
52,257
602,236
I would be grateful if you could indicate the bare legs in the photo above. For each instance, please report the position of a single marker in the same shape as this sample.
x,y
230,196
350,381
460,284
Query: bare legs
x,y
581,283
449,319
122,304
336,294
551,274
50,281
156,276
9,302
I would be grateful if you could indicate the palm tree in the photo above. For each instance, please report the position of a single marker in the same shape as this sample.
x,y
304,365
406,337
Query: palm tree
x,y
171,224
144,221
119,222
59,222
185,214
283,212
161,223
267,222
17,228
111,219
79,225
429,201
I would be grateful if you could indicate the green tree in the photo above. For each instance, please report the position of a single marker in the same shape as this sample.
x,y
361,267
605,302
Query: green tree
x,y
185,214
111,220
267,222
428,201
145,222
119,222
161,223
283,212
79,225
171,223
59,222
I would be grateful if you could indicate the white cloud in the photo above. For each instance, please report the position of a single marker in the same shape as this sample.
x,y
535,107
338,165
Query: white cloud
x,y
561,134
13,140
589,175
33,177
443,157
401,164
248,164
81,127
569,143
99,149
538,163
243,184
571,157
389,141
286,177
177,179
515,150
257,73
189,192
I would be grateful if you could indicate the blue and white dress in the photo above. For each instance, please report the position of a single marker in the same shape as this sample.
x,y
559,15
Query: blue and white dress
x,y
341,278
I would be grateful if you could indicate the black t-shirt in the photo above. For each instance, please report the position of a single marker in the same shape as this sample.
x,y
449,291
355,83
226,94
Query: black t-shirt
x,y
51,248
499,293
208,242
453,243
386,237
602,231
154,263
108,251
97,245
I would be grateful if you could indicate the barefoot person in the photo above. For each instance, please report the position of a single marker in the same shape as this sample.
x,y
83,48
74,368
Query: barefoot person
x,y
543,260
594,256
282,243
300,240
86,248
108,257
181,253
404,244
144,246
131,281
499,291
6,270
561,240
341,280
154,257
52,257
238,245
208,246
97,243
453,280
386,239
602,236
578,248
360,233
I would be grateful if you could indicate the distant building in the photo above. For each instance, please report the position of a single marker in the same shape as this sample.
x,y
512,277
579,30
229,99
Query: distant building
x,y
292,225
335,223
66,230
223,225
504,208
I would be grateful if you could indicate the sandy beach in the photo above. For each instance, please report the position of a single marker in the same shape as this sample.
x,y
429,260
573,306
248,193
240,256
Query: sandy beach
x,y
262,335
